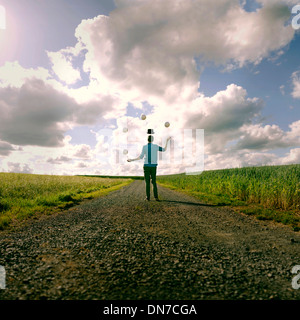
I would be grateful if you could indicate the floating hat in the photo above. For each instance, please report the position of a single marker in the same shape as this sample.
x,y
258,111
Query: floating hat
x,y
150,131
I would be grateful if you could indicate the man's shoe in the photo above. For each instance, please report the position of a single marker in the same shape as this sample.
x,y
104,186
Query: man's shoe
x,y
147,199
157,199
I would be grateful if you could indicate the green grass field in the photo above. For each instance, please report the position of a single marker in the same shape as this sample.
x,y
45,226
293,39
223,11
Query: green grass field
x,y
270,193
27,195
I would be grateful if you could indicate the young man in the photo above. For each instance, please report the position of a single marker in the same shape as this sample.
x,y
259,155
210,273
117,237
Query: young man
x,y
149,151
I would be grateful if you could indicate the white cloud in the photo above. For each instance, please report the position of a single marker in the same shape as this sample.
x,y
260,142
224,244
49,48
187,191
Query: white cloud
x,y
13,74
5,148
37,110
239,159
81,165
293,157
146,51
59,160
34,114
19,168
82,151
222,116
258,137
272,2
152,55
63,68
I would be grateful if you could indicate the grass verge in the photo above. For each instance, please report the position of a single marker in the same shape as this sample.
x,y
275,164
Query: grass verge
x,y
24,196
287,217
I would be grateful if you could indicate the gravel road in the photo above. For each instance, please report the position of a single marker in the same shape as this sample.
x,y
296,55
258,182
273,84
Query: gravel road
x,y
122,247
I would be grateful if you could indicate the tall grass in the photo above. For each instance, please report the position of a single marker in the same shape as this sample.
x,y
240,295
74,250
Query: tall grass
x,y
271,187
24,195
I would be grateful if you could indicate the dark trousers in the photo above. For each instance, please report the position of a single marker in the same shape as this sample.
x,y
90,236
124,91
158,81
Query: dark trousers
x,y
150,172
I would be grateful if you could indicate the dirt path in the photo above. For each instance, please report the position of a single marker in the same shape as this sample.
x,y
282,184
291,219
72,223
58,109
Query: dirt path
x,y
122,247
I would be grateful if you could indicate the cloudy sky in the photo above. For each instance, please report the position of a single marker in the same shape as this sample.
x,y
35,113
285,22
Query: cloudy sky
x,y
75,73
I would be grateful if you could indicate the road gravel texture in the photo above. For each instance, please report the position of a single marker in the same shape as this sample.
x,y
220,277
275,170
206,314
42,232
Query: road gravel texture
x,y
122,247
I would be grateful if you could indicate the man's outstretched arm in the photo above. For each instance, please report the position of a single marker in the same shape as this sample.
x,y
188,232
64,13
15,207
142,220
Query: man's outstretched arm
x,y
141,156
166,146
130,160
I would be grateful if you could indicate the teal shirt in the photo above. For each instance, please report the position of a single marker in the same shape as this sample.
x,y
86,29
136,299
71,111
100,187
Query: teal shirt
x,y
149,153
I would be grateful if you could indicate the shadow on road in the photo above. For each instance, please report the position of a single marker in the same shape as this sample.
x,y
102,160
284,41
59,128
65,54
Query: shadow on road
x,y
190,203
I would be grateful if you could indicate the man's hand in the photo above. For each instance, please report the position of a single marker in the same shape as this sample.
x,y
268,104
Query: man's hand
x,y
135,159
169,138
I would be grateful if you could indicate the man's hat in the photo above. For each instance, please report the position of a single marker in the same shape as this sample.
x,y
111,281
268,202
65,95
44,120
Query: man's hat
x,y
150,131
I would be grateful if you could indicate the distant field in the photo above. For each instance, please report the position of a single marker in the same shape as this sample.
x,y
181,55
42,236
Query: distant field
x,y
271,192
25,195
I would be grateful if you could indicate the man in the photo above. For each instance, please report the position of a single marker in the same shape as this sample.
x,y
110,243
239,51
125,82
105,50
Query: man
x,y
149,151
